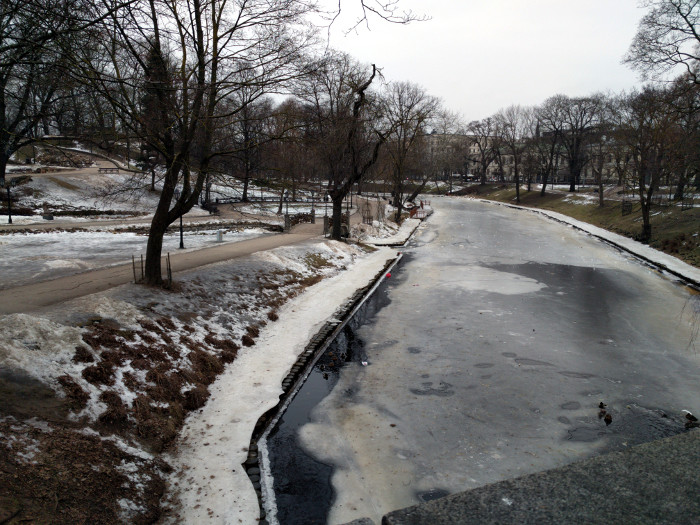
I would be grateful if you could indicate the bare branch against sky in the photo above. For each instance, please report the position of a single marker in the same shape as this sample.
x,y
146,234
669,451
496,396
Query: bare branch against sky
x,y
482,56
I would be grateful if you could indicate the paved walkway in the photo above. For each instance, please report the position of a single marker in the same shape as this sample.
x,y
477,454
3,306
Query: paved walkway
x,y
46,293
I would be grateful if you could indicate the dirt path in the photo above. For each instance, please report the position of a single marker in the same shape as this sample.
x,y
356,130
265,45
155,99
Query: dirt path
x,y
35,296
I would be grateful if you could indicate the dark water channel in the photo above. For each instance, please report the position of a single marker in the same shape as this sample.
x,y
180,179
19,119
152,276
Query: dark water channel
x,y
302,483
487,354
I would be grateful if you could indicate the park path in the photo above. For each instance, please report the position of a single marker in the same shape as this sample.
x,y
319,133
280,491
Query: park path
x,y
34,296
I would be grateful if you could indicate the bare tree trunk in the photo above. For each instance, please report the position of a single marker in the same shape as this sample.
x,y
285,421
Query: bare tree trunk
x,y
337,216
545,180
152,271
680,188
645,201
3,168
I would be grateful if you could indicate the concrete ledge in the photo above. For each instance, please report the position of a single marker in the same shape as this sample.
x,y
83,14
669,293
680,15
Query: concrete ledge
x,y
657,482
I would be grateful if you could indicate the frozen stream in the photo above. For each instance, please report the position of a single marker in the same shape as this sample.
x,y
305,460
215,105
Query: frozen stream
x,y
490,349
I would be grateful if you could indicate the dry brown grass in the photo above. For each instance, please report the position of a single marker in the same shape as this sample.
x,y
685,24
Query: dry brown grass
x,y
74,392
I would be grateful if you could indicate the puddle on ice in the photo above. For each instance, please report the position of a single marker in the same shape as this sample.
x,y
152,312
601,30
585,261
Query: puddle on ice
x,y
480,278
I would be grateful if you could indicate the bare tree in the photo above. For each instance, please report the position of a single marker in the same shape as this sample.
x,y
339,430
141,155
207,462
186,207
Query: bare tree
x,y
575,121
364,10
442,152
347,128
513,126
684,99
407,108
546,146
667,38
34,35
649,130
482,152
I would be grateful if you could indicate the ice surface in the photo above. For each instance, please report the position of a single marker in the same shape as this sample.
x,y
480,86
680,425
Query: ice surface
x,y
480,370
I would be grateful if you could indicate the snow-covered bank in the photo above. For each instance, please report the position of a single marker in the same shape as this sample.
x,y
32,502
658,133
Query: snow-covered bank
x,y
209,483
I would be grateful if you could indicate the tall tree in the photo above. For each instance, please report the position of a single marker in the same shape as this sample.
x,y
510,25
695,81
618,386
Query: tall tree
x,y
574,120
513,126
546,147
34,36
347,128
407,109
649,130
482,151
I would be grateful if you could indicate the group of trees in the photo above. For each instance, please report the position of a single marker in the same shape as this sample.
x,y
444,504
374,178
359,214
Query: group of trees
x,y
641,140
187,85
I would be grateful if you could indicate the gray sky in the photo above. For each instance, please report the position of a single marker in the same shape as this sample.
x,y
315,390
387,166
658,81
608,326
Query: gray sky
x,y
481,55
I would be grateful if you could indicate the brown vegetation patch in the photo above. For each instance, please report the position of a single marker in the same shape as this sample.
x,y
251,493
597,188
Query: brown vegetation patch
x,y
83,355
116,415
147,338
149,325
205,364
100,374
116,359
141,363
71,479
247,340
253,331
167,385
74,392
189,343
227,356
196,397
221,344
272,315
310,280
131,382
101,337
158,426
167,323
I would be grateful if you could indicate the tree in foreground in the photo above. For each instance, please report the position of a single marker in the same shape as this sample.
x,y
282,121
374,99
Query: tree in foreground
x,y
167,66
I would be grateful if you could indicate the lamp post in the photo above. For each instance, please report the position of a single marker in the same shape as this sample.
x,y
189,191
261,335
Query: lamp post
x,y
9,206
176,194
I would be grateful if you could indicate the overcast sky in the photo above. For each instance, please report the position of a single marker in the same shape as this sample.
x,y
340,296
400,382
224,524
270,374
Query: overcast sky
x,y
482,55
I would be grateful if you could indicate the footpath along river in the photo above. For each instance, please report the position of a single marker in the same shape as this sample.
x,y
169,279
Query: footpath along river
x,y
483,358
